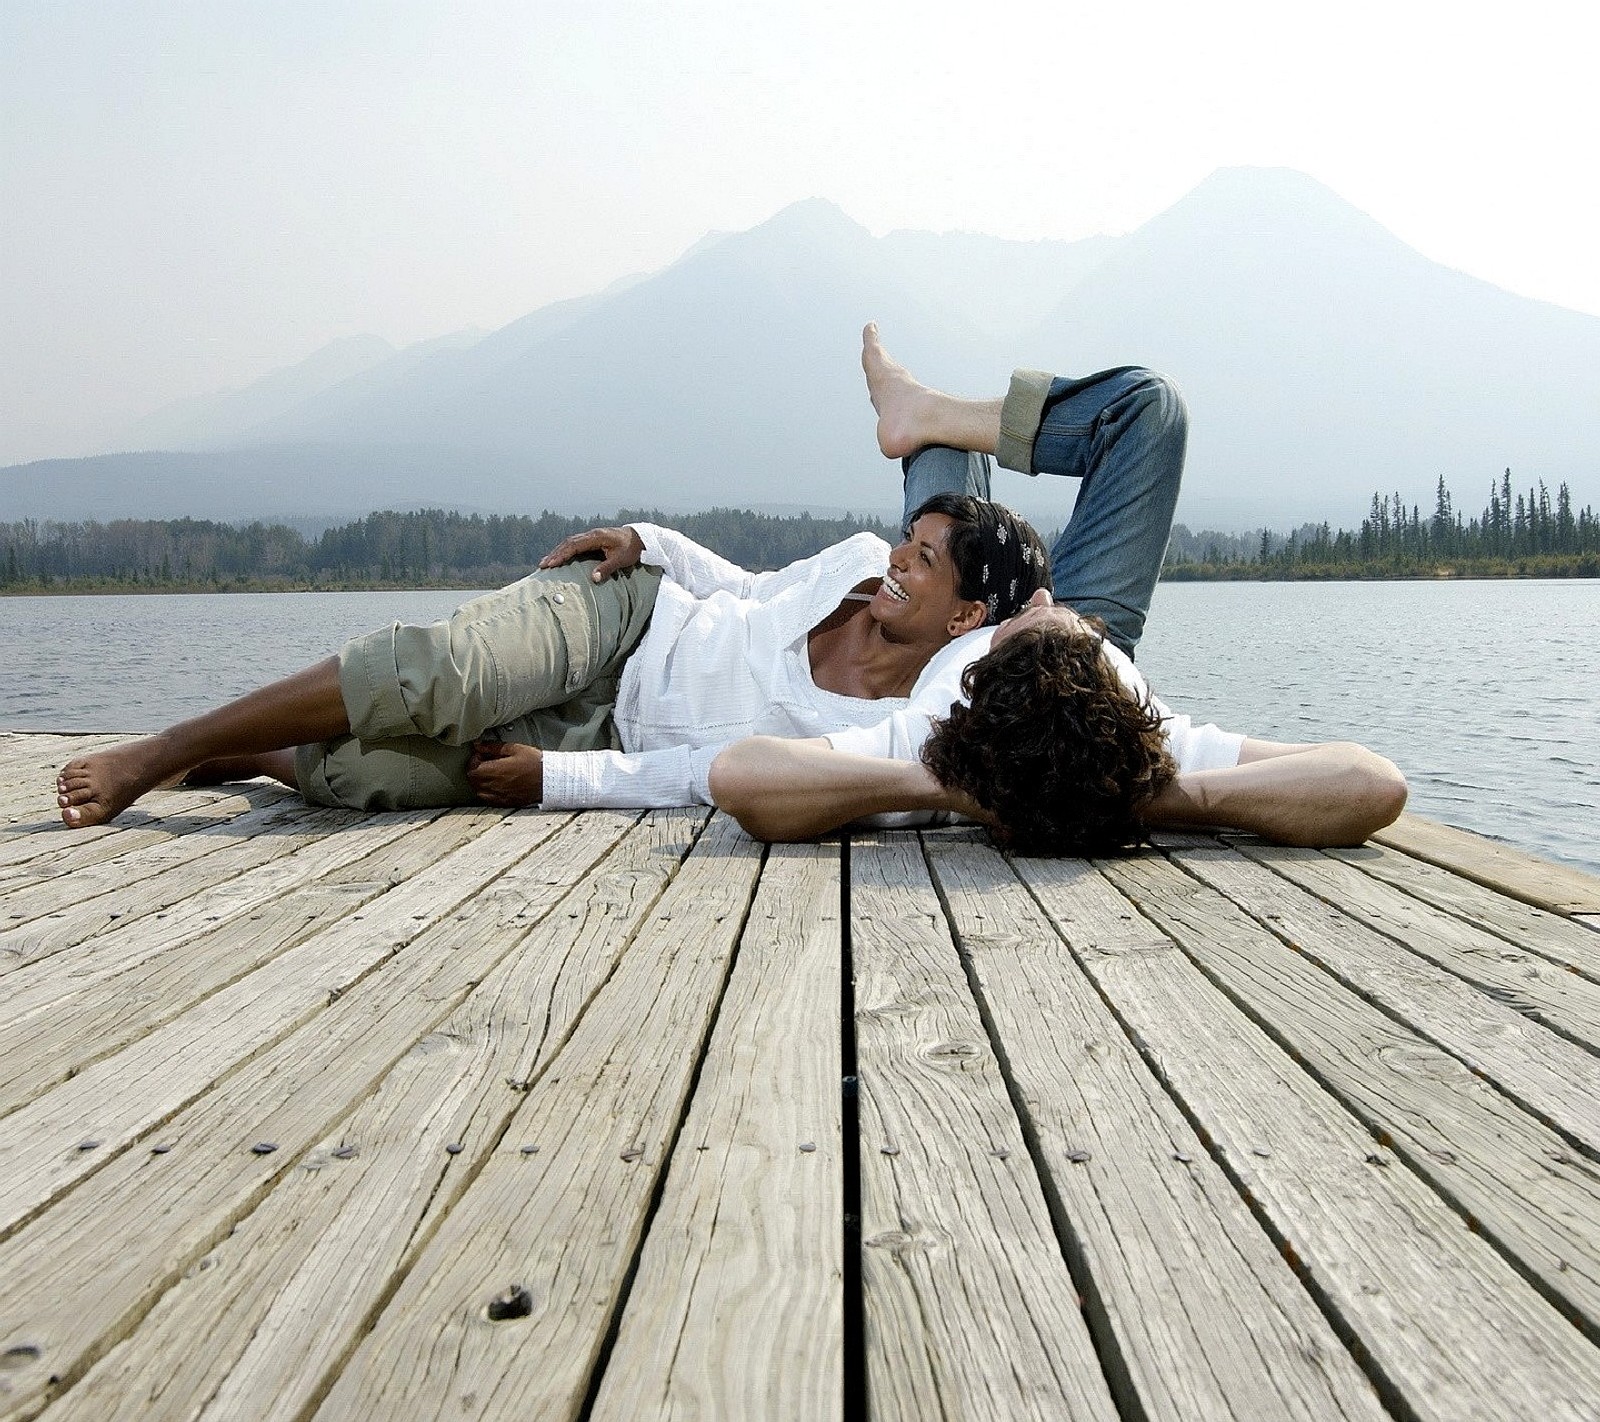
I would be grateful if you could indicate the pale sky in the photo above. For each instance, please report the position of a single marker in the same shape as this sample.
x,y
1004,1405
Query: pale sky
x,y
193,194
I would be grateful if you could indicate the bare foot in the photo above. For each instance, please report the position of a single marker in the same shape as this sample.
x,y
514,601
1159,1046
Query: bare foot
x,y
903,403
96,788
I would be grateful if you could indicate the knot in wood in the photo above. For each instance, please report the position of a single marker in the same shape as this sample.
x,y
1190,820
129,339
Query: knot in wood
x,y
896,1241
515,1302
20,1355
951,1051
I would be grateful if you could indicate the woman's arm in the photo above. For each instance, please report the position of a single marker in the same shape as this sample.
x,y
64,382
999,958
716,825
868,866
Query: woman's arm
x,y
1313,795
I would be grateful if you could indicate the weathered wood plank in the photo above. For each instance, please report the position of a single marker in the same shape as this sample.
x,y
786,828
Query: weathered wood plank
x,y
1160,1232
1556,1079
195,862
223,906
31,824
285,1297
83,1273
37,836
119,1097
1565,1001
125,876
1553,936
98,997
737,1306
563,1226
1522,1183
1498,866
53,852
1439,1314
961,1266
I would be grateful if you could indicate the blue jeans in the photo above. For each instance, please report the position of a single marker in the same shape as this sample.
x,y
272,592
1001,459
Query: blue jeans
x,y
1122,433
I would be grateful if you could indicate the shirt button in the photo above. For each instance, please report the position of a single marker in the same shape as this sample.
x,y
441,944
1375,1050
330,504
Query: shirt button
x,y
559,597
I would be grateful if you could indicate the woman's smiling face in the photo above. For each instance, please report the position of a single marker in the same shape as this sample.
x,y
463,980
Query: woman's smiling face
x,y
919,599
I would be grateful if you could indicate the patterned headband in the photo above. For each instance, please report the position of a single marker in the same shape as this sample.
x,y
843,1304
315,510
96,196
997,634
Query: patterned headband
x,y
1015,564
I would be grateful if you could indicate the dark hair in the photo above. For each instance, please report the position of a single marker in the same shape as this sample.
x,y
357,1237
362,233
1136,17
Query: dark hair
x,y
1000,560
1053,744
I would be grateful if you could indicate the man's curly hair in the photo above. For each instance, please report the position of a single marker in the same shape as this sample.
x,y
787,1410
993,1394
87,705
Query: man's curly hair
x,y
1053,744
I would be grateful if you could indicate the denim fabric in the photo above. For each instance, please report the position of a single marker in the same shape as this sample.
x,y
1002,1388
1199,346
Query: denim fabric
x,y
1122,433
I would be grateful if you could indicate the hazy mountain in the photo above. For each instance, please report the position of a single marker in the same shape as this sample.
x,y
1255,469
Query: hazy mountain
x,y
228,414
1323,360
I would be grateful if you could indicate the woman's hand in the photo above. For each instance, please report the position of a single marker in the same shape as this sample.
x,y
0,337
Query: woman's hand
x,y
619,549
510,776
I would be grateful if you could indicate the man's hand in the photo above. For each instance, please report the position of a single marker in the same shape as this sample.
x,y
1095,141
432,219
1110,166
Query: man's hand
x,y
619,549
510,776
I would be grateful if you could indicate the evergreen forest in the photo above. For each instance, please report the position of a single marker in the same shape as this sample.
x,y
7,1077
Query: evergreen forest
x,y
1518,534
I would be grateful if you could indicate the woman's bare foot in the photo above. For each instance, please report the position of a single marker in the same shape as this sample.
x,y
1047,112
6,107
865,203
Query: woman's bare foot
x,y
911,415
96,788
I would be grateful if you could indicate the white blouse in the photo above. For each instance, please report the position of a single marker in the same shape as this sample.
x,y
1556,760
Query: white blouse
x,y
726,656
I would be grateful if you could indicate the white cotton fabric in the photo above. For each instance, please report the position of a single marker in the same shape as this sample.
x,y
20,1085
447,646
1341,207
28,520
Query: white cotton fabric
x,y
726,657
900,735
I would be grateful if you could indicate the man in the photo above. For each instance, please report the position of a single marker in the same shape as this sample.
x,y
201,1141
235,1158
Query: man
x,y
1020,754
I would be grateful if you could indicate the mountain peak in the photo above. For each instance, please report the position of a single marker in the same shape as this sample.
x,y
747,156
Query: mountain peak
x,y
1249,197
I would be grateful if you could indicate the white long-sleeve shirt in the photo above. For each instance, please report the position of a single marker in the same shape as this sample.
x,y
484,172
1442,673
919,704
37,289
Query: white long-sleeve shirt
x,y
726,656
900,734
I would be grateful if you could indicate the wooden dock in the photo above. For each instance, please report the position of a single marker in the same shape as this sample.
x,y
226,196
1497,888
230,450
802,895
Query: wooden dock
x,y
538,1115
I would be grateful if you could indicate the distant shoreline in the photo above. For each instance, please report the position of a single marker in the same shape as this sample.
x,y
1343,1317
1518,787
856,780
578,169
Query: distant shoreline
x,y
1588,568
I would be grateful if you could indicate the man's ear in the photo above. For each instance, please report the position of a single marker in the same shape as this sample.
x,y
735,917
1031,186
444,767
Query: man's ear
x,y
971,615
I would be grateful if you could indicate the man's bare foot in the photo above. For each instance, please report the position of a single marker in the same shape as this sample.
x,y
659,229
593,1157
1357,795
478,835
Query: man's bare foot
x,y
904,405
96,788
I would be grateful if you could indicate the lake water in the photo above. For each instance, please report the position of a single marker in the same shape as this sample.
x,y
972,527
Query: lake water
x,y
1487,694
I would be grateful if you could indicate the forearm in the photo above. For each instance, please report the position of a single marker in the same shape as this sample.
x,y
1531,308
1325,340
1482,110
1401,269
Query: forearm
x,y
797,789
1317,796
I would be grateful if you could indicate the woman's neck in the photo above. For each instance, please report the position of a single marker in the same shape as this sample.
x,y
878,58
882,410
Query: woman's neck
x,y
850,656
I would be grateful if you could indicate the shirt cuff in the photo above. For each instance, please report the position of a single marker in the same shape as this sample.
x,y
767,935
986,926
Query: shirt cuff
x,y
616,780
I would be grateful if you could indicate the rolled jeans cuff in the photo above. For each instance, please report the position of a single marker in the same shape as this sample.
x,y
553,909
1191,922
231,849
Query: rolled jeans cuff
x,y
1020,416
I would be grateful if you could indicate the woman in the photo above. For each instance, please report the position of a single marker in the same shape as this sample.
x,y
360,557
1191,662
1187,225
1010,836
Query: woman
x,y
611,685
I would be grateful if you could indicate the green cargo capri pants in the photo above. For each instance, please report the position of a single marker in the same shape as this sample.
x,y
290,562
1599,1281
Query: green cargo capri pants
x,y
537,663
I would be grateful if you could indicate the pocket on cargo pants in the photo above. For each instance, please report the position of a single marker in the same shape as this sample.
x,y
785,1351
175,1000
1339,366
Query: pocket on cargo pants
x,y
534,644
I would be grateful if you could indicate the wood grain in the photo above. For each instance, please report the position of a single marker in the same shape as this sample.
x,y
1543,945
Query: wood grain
x,y
81,1274
954,1223
286,1296
1498,866
1443,1320
563,1225
1161,1232
737,1306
